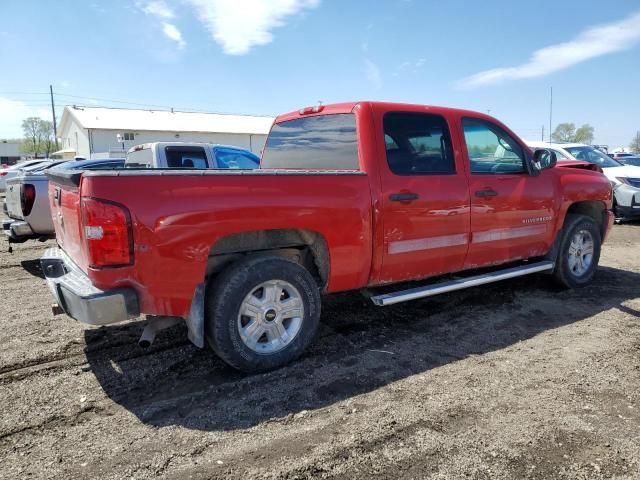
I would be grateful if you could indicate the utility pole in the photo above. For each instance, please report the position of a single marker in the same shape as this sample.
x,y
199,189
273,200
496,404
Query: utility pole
x,y
542,136
551,115
53,113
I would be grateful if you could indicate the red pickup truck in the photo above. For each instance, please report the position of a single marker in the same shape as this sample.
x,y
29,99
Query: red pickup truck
x,y
348,196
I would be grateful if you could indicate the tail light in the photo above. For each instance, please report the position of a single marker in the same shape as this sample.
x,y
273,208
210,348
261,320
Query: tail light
x,y
27,198
2,174
107,233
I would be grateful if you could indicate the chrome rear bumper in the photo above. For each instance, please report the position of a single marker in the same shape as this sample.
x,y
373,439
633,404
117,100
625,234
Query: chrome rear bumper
x,y
79,298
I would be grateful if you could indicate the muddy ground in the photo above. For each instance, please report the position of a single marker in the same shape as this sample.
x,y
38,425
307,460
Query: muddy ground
x,y
515,380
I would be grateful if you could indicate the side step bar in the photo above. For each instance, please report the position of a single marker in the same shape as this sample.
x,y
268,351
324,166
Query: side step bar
x,y
452,285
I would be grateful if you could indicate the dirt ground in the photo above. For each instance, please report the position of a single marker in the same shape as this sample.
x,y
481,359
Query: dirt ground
x,y
515,380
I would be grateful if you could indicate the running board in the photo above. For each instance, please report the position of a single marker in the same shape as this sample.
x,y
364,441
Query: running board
x,y
452,285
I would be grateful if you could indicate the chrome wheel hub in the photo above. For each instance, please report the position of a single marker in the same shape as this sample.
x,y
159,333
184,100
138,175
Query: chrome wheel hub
x,y
580,255
270,316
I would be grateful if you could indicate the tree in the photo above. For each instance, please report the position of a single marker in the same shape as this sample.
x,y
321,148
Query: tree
x,y
38,137
584,134
564,132
634,146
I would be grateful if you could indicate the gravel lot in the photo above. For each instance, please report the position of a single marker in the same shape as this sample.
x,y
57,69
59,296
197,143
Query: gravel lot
x,y
515,380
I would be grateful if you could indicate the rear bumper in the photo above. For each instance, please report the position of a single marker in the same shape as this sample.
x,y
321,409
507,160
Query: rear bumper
x,y
627,201
628,212
79,298
17,230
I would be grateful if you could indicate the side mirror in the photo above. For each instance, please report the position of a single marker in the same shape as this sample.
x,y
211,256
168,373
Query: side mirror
x,y
544,158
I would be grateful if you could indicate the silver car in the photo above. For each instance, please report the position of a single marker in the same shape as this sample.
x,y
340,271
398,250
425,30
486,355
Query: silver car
x,y
27,200
17,169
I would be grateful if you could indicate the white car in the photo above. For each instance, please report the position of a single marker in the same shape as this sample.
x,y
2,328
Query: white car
x,y
625,179
12,171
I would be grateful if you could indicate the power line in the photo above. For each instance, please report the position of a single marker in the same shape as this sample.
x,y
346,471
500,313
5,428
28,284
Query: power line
x,y
113,101
65,99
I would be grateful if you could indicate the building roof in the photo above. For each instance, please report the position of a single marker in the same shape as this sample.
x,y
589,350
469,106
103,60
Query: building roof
x,y
124,119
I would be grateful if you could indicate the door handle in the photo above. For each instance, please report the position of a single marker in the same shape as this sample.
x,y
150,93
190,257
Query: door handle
x,y
490,192
403,197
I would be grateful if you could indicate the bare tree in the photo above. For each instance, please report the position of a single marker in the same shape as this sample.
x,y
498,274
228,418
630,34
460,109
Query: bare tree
x,y
634,146
38,137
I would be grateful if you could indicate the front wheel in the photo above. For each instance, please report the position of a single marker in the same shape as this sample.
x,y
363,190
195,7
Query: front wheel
x,y
262,313
579,252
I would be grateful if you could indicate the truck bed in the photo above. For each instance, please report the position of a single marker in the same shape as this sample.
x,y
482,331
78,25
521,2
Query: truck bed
x,y
200,207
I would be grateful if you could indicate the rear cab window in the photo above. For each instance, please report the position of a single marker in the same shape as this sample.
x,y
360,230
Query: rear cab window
x,y
325,142
186,157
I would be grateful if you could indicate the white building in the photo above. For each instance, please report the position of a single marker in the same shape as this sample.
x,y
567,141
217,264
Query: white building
x,y
92,132
9,152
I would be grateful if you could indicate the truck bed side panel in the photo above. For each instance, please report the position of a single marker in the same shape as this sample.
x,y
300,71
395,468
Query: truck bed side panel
x,y
172,244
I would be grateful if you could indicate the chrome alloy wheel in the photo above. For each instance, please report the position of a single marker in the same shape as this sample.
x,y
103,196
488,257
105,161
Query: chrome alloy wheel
x,y
580,254
270,316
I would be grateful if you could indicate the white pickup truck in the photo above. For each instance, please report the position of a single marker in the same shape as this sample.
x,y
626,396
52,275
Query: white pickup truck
x,y
190,155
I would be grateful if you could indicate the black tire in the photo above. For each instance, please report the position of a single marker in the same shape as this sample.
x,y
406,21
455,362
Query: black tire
x,y
226,296
563,273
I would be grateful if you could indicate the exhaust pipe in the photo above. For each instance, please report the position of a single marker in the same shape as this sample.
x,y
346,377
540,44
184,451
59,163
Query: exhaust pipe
x,y
154,325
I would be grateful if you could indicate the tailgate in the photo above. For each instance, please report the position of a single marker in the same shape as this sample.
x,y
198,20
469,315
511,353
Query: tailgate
x,y
64,199
14,208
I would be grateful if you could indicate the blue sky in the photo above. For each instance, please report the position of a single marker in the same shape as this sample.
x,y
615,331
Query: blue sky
x,y
273,56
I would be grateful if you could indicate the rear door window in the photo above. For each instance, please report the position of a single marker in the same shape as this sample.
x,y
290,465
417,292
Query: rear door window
x,y
321,142
186,157
418,144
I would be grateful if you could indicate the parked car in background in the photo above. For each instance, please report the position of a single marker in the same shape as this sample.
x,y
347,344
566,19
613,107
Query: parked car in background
x,y
27,203
12,171
625,179
348,196
190,155
631,160
620,156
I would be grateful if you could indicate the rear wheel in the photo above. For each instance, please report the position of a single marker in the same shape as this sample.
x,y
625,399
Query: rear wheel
x,y
579,252
262,313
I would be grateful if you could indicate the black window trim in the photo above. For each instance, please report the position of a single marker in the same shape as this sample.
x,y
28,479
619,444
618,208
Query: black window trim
x,y
525,160
447,137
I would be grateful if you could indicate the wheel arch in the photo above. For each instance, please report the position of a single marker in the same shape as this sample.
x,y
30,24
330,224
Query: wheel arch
x,y
595,209
305,247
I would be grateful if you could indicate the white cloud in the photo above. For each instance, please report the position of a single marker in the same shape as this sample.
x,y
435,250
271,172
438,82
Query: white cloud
x,y
591,43
239,26
65,84
372,72
160,10
12,112
172,32
409,67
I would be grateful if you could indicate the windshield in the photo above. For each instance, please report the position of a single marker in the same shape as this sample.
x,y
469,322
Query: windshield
x,y
592,155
